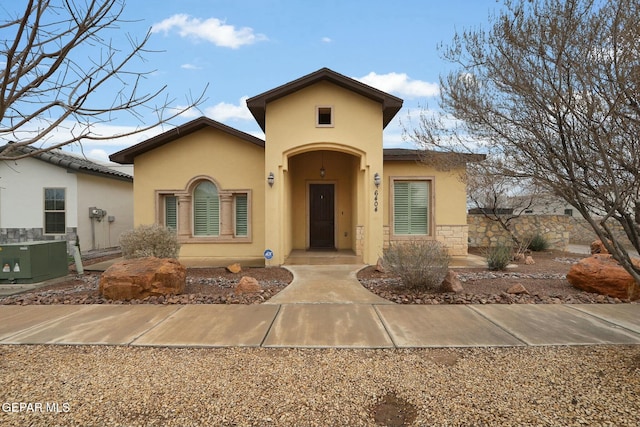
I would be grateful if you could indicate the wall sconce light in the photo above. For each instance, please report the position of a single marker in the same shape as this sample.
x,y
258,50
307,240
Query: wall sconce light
x,y
271,179
377,180
322,172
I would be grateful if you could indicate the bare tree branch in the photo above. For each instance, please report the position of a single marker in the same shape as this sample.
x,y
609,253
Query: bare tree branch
x,y
62,69
553,88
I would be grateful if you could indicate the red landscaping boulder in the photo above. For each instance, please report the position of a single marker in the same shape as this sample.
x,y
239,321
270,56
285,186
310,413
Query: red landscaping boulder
x,y
247,285
234,268
143,277
517,289
452,283
597,247
602,274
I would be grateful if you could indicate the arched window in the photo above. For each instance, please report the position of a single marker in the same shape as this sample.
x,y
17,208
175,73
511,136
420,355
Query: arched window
x,y
206,210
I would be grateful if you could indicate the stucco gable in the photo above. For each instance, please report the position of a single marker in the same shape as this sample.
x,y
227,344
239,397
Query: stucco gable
x,y
127,155
390,104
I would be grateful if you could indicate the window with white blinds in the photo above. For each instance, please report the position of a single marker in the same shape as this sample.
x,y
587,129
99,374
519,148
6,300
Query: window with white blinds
x,y
411,207
206,210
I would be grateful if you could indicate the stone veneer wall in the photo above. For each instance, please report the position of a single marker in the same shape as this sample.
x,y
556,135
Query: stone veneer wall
x,y
18,235
559,230
359,240
454,237
484,232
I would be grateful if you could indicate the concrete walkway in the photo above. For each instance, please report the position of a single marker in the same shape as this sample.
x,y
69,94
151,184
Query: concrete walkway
x,y
317,284
322,325
324,306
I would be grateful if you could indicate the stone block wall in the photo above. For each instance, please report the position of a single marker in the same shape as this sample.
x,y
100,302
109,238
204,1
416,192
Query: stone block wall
x,y
18,235
454,237
359,240
484,232
559,230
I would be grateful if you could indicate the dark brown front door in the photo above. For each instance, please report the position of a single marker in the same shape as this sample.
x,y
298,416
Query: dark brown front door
x,y
321,216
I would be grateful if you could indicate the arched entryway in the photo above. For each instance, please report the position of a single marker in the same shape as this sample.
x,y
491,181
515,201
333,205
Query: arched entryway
x,y
323,200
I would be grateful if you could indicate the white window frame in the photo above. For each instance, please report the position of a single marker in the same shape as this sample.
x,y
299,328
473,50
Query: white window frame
x,y
46,211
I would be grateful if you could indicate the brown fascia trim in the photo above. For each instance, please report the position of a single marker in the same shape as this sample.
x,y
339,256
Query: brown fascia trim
x,y
127,155
404,154
390,104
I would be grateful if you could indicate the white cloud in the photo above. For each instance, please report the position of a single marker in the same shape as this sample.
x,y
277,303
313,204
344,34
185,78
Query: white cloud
x,y
98,154
190,67
326,40
212,30
224,111
401,84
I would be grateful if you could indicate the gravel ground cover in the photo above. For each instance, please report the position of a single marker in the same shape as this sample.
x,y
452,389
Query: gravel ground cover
x,y
133,386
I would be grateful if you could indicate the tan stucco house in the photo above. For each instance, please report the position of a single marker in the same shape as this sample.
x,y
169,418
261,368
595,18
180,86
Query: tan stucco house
x,y
320,180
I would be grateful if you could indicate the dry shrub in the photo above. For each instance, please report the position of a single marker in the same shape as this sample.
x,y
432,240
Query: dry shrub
x,y
499,256
421,264
150,240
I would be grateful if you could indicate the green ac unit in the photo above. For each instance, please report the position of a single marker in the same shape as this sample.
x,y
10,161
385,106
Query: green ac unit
x,y
32,262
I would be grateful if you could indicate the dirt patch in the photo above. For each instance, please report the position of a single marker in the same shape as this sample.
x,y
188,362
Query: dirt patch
x,y
393,411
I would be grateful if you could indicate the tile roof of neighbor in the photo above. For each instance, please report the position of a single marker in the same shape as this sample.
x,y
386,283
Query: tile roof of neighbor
x,y
390,104
127,155
68,161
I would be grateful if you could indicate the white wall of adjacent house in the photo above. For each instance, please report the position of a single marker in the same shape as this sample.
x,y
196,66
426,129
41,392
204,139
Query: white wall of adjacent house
x,y
23,182
115,199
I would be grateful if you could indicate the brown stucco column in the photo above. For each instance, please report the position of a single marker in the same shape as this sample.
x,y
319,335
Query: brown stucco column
x,y
226,215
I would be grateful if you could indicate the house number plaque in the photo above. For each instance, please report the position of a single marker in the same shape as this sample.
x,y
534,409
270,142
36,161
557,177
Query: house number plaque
x,y
375,201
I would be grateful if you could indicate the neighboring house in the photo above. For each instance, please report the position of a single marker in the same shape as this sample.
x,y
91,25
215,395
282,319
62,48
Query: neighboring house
x,y
541,204
56,195
319,181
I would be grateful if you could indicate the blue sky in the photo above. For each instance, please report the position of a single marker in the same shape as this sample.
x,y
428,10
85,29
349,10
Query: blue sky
x,y
243,48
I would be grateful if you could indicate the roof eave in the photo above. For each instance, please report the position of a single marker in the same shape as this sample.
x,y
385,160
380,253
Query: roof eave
x,y
390,104
128,155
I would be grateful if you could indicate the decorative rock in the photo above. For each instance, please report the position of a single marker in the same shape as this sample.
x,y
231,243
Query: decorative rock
x,y
597,247
143,277
602,274
451,283
380,266
518,289
247,285
529,260
234,268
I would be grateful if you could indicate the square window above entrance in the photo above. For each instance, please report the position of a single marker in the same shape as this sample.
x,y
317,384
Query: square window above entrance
x,y
324,116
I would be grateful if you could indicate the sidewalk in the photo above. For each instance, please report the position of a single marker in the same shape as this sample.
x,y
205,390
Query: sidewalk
x,y
322,325
322,307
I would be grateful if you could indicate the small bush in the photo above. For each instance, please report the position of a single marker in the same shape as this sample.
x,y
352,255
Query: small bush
x,y
538,243
499,256
150,240
419,264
